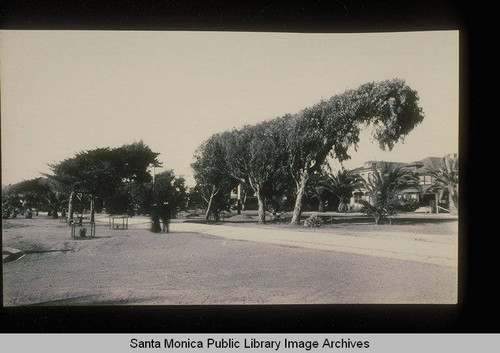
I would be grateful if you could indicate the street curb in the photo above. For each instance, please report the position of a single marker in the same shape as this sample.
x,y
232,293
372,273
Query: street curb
x,y
11,254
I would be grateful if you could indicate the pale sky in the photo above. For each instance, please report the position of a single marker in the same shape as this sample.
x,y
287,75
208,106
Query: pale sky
x,y
67,91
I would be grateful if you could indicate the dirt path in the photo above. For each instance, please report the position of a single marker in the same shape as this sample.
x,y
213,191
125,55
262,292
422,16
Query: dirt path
x,y
184,267
426,248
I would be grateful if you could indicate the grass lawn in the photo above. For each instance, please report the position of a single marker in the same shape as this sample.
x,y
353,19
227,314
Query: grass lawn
x,y
348,224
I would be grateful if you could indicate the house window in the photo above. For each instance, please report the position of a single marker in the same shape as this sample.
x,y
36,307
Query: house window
x,y
424,180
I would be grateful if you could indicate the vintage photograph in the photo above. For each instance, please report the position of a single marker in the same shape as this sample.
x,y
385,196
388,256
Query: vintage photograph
x,y
229,168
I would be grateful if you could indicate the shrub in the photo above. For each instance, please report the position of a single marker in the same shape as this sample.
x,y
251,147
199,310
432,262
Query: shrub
x,y
313,222
408,206
284,217
357,207
6,213
83,232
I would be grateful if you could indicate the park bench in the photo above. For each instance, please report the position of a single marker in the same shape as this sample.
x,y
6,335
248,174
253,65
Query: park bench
x,y
116,225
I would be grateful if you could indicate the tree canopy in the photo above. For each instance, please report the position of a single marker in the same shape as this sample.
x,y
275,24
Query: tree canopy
x,y
214,180
102,171
116,178
293,147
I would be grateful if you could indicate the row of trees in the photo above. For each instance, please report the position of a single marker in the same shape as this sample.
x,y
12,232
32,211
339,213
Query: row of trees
x,y
384,186
278,158
116,178
282,161
27,196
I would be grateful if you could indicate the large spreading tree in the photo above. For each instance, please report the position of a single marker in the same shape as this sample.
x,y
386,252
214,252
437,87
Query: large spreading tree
x,y
390,108
254,155
295,147
213,179
103,172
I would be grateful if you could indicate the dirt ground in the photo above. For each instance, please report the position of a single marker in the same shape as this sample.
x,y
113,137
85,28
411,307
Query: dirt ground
x,y
137,267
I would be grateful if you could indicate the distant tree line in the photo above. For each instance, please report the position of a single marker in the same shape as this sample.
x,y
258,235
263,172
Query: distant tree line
x,y
118,179
30,196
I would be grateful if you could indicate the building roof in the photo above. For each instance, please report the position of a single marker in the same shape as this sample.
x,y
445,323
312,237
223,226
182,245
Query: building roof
x,y
423,166
431,163
369,165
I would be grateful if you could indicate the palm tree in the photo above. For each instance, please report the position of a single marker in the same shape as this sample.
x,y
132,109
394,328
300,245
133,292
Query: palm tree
x,y
445,177
342,185
383,187
277,195
316,189
55,196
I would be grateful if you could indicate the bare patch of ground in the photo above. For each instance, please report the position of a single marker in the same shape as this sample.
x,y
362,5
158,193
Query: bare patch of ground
x,y
137,267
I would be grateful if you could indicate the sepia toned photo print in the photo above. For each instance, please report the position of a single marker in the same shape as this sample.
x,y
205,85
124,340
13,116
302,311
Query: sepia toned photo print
x,y
222,168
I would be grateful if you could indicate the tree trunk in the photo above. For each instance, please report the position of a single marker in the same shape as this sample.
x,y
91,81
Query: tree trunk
x,y
321,207
262,211
453,201
212,194
260,201
379,217
297,210
70,207
244,201
239,199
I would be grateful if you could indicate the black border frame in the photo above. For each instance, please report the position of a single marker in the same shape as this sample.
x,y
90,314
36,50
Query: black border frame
x,y
306,17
